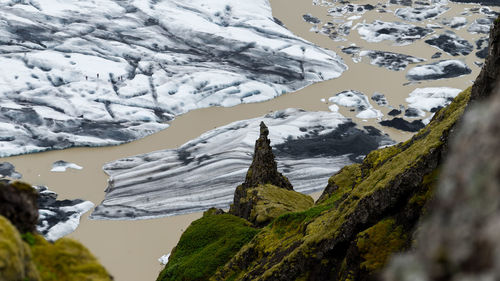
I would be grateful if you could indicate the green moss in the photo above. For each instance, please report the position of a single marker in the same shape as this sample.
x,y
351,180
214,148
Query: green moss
x,y
15,255
428,186
207,244
66,259
271,202
379,242
29,238
378,157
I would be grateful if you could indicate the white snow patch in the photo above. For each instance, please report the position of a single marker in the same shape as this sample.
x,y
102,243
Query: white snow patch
x,y
431,97
62,166
164,259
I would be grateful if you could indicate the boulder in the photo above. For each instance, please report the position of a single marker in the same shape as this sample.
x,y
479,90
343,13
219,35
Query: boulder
x,y
18,203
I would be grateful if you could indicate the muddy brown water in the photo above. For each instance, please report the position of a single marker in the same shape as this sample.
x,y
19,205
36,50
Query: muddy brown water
x,y
130,249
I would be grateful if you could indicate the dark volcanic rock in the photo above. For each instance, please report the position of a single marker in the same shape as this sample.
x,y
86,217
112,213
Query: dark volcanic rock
x,y
263,169
402,124
18,203
491,70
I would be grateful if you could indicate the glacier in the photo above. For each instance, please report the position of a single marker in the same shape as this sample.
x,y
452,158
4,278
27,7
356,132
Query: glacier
x,y
203,173
92,73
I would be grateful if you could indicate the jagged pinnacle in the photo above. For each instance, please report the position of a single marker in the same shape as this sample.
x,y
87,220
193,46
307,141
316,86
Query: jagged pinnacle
x,y
263,169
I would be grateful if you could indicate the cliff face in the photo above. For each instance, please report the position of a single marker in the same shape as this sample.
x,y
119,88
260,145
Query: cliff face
x,y
459,239
370,211
485,82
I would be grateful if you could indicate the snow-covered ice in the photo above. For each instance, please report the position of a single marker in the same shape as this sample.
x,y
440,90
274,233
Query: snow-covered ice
x,y
438,70
342,10
482,2
8,170
432,98
358,101
380,99
58,218
421,13
455,22
390,60
203,173
311,19
482,47
164,259
481,25
88,73
451,43
62,166
398,32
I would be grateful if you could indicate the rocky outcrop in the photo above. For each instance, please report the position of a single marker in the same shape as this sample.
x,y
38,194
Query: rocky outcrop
x,y
267,202
18,203
485,82
372,210
459,241
264,169
369,211
262,172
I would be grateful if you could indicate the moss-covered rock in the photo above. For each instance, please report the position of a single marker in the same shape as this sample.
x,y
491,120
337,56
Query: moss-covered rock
x,y
207,244
262,172
378,242
15,256
269,202
458,239
386,193
66,259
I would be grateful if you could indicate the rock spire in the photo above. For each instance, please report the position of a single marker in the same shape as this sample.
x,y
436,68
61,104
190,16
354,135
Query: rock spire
x,y
264,169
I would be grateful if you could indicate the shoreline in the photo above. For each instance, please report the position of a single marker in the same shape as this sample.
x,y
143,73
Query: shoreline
x,y
106,238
